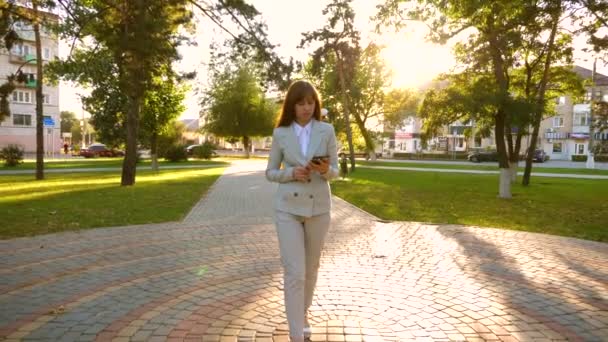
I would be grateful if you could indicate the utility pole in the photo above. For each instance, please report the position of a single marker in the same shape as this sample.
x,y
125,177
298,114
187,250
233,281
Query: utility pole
x,y
590,158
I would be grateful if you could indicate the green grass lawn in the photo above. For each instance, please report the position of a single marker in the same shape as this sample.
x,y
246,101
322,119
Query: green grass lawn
x,y
86,200
536,168
81,163
568,207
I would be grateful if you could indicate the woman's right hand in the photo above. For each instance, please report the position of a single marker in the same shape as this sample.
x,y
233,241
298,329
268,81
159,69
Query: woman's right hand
x,y
301,174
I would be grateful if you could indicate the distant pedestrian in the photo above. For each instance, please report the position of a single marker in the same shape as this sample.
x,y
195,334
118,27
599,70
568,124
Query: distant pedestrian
x,y
306,147
66,148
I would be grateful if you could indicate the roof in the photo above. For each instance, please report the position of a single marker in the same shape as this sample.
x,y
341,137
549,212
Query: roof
x,y
600,79
191,124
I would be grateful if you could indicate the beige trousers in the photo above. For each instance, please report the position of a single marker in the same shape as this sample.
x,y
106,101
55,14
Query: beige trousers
x,y
301,240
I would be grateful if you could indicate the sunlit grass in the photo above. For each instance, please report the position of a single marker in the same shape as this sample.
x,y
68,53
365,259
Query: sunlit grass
x,y
78,163
536,167
85,200
569,207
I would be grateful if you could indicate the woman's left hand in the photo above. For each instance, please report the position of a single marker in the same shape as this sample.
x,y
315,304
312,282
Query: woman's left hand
x,y
322,167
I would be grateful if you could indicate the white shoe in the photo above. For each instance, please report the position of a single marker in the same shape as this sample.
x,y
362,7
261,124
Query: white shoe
x,y
307,328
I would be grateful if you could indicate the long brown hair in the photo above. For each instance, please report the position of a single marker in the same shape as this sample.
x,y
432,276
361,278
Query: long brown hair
x,y
297,91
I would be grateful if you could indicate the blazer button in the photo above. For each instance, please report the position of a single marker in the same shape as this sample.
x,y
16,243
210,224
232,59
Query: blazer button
x,y
309,180
295,194
310,196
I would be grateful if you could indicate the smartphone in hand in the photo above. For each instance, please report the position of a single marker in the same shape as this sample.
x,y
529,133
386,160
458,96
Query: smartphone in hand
x,y
317,159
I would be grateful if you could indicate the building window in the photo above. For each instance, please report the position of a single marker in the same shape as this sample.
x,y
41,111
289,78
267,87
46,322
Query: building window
x,y
46,54
47,99
477,141
579,149
558,121
561,100
21,96
581,119
21,49
557,147
605,98
22,120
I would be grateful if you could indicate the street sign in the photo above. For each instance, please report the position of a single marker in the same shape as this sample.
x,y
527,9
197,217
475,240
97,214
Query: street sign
x,y
49,122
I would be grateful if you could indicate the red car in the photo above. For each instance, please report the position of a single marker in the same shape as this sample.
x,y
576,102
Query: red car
x,y
100,150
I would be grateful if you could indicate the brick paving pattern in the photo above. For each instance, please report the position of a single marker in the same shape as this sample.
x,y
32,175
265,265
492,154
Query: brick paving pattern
x,y
216,276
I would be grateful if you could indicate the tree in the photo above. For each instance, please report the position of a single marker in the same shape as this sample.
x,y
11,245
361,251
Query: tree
x,y
492,49
162,105
365,91
140,38
68,120
398,104
35,16
339,39
235,106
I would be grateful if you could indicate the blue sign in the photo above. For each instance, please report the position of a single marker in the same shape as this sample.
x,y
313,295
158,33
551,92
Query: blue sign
x,y
49,122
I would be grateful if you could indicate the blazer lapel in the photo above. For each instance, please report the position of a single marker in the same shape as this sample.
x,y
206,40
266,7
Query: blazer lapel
x,y
315,140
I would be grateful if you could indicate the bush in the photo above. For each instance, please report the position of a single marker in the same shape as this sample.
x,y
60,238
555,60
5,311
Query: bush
x,y
205,151
12,155
579,158
430,156
176,153
583,157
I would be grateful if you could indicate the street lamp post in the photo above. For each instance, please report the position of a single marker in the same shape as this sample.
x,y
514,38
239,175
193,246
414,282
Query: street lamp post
x,y
590,158
454,145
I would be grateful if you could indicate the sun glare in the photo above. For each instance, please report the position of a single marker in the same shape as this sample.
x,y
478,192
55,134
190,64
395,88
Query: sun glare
x,y
414,61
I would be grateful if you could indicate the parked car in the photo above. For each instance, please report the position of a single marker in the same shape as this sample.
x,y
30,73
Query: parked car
x,y
100,150
540,156
190,149
480,156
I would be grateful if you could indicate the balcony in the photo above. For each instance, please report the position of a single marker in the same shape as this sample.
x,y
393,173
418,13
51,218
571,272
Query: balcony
x,y
580,129
30,84
556,135
16,58
20,59
31,59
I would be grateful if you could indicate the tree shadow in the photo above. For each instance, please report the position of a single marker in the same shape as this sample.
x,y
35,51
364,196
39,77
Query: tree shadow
x,y
530,279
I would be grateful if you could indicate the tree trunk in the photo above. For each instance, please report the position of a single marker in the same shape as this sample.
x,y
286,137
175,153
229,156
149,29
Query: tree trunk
x,y
514,157
39,98
540,104
498,65
503,162
130,162
132,82
246,142
154,151
369,142
345,105
505,183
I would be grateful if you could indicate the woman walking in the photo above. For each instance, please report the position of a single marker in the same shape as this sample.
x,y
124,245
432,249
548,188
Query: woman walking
x,y
306,148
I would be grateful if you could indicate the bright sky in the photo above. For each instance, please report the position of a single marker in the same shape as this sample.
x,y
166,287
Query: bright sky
x,y
412,60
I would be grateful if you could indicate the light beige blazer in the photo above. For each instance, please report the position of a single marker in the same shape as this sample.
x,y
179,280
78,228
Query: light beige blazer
x,y
298,198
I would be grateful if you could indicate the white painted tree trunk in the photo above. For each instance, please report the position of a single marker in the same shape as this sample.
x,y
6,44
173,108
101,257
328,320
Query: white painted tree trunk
x,y
505,183
513,169
154,164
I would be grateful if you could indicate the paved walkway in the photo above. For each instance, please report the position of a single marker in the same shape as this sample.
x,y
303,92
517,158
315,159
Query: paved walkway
x,y
217,277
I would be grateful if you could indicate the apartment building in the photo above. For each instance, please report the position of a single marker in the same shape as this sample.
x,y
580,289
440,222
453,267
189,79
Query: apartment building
x,y
20,127
567,132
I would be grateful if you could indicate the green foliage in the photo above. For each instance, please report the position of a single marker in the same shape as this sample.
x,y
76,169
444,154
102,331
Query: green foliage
x,y
205,151
68,120
235,105
163,104
399,104
171,136
176,153
12,155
